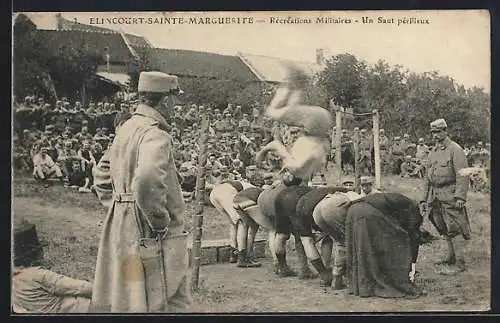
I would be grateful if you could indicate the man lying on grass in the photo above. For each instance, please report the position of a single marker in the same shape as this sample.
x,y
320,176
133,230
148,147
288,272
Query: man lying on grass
x,y
38,290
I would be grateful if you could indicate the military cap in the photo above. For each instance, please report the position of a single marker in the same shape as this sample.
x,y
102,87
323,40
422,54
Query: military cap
x,y
381,130
26,131
438,124
344,130
480,143
252,167
406,135
408,157
66,103
366,180
363,130
85,122
157,82
421,140
414,159
44,149
49,127
58,102
347,181
397,138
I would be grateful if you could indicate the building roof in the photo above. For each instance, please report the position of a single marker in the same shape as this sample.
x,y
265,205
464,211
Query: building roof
x,y
272,69
95,43
49,21
200,64
41,20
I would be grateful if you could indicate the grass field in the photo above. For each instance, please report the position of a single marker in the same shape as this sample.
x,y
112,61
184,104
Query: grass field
x,y
69,223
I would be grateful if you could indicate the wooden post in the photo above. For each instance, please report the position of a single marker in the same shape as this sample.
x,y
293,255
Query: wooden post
x,y
357,171
84,95
200,196
338,146
376,147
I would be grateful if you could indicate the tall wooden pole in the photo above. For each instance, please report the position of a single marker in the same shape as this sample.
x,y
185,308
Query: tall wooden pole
x,y
357,171
200,196
338,146
376,147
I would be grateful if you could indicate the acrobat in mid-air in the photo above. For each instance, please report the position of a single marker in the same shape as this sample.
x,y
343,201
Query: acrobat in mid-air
x,y
308,153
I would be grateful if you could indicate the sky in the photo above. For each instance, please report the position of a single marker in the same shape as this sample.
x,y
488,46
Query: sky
x,y
454,43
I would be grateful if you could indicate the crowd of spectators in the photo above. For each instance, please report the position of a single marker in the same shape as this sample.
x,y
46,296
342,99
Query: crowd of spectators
x,y
66,140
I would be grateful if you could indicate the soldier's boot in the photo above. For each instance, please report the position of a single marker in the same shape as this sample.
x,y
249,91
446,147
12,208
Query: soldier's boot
x,y
251,259
338,282
243,260
325,274
450,258
307,273
325,278
459,265
233,256
282,269
276,268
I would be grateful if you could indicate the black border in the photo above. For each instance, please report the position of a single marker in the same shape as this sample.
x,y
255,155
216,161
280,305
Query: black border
x,y
200,5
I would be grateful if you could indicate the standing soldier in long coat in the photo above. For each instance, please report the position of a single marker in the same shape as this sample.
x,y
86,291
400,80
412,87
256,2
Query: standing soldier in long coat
x,y
146,197
445,194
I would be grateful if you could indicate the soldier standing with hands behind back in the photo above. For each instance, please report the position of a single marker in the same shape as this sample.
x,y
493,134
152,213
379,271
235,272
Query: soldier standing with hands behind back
x,y
445,194
142,259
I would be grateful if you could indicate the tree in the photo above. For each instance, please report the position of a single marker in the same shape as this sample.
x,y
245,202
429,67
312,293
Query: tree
x,y
73,67
342,80
28,59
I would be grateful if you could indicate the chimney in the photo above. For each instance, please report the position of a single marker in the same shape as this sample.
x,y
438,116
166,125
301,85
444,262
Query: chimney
x,y
59,21
320,56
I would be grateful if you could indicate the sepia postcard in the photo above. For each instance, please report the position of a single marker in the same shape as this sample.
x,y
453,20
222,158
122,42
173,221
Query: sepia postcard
x,y
251,162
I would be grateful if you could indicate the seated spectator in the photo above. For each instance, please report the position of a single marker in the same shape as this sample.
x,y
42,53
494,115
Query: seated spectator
x,y
187,173
38,290
213,163
20,156
77,178
66,157
88,160
367,186
418,170
44,167
407,167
